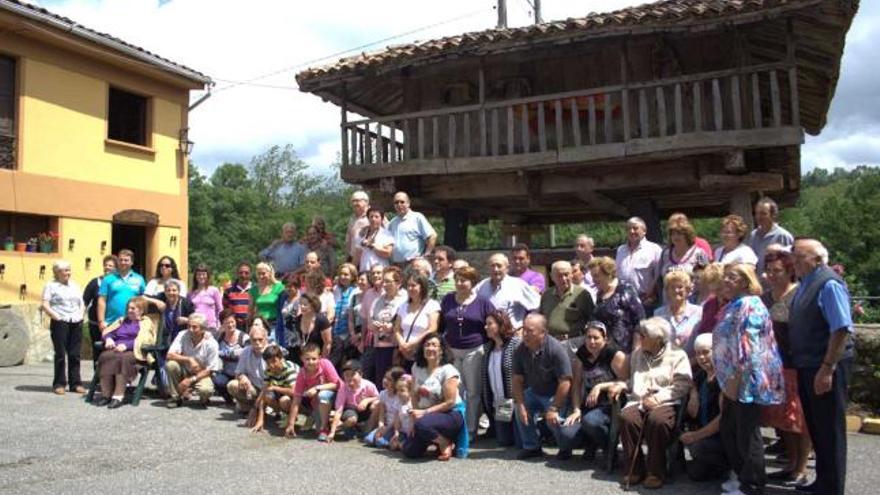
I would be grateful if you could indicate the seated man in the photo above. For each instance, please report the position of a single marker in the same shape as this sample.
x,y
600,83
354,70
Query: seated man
x,y
249,371
541,383
192,358
704,406
278,390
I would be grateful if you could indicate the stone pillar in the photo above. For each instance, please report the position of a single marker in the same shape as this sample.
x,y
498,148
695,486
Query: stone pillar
x,y
647,210
455,222
741,204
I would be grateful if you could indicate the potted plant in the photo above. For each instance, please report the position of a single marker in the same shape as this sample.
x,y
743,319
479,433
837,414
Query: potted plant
x,y
32,245
47,241
8,243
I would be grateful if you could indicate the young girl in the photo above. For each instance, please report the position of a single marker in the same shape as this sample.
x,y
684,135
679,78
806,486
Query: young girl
x,y
403,423
386,410
315,390
355,402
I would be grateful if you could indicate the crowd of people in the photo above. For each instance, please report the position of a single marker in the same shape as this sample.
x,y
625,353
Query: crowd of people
x,y
405,346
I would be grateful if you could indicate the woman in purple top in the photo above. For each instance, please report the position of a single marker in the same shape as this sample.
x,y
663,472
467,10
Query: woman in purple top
x,y
207,300
463,324
123,340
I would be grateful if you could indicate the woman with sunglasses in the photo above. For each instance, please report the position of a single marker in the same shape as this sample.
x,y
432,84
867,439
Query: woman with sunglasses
x,y
166,269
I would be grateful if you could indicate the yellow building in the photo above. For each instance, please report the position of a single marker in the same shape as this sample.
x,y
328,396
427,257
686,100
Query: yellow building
x,y
93,147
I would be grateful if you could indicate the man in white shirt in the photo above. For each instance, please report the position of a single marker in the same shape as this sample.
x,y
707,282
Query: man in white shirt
x,y
583,252
192,358
508,293
413,234
360,203
638,261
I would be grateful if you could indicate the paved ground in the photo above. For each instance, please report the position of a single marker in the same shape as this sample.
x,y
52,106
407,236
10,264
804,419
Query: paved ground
x,y
51,444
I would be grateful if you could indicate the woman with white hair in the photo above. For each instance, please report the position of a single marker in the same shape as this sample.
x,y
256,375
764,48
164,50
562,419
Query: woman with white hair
x,y
660,376
63,302
704,410
749,370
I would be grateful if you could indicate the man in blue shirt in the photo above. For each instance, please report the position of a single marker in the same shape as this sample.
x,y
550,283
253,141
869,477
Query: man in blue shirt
x,y
413,234
286,254
820,326
117,289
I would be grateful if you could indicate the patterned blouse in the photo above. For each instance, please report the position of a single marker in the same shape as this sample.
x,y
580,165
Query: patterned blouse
x,y
743,345
621,314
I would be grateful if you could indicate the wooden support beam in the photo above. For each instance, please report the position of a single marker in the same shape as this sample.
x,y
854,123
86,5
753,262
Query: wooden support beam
x,y
510,133
435,137
755,181
698,106
741,204
343,110
757,118
775,99
603,203
644,126
717,108
496,137
467,134
542,131
679,114
560,136
576,122
524,129
662,121
452,136
609,128
736,103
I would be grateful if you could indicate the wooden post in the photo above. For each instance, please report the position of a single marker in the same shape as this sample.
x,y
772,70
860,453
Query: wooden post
x,y
736,102
679,114
591,119
741,204
662,121
353,160
435,133
698,106
644,128
343,127
452,135
407,139
467,134
542,136
576,123
482,80
526,133
421,139
717,108
756,102
560,136
775,99
510,123
624,79
392,142
379,145
496,137
609,130
791,45
368,145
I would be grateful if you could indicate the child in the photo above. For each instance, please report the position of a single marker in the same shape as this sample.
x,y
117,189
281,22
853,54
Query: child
x,y
355,401
277,389
403,423
315,389
386,410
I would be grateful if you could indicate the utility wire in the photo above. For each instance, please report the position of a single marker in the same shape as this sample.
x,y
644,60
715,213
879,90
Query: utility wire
x,y
251,81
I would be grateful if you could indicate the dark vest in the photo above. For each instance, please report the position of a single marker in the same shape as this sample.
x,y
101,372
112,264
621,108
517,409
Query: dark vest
x,y
809,333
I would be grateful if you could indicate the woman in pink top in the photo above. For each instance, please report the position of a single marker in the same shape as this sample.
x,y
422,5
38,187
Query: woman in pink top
x,y
206,299
315,389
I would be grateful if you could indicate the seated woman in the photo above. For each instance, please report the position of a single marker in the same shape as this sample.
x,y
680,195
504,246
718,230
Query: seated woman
x,y
704,409
124,340
232,342
660,376
599,365
498,376
683,315
175,309
439,413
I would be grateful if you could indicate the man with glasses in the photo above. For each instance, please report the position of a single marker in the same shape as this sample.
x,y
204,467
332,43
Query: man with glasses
x,y
117,289
413,234
237,297
192,358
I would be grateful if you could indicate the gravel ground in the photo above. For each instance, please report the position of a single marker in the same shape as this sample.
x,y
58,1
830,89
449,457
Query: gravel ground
x,y
54,444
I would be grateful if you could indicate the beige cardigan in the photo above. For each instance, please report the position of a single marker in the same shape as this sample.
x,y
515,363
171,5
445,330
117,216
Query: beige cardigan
x,y
668,374
146,336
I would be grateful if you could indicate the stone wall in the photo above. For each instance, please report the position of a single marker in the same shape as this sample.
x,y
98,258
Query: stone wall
x,y
865,383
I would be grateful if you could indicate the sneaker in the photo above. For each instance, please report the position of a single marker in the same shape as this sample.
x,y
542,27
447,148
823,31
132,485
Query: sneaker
x,y
730,486
484,422
529,454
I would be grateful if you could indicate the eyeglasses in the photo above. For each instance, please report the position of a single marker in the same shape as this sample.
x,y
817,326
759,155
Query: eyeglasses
x,y
399,202
165,265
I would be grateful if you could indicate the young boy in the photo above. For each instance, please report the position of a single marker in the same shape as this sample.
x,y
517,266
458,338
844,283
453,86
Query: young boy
x,y
355,401
277,391
315,388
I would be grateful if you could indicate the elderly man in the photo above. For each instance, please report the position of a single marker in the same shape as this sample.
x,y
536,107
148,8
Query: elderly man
x,y
821,326
192,358
521,267
541,384
444,275
767,231
566,306
583,252
286,254
638,261
510,294
413,234
249,372
360,203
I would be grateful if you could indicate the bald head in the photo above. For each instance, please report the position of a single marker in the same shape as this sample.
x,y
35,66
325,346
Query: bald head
x,y
498,266
808,255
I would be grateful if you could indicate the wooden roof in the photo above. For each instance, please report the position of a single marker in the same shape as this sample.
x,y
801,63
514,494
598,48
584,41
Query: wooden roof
x,y
820,27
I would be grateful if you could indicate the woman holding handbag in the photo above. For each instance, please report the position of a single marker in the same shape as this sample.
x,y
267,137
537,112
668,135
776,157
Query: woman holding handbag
x,y
416,319
502,342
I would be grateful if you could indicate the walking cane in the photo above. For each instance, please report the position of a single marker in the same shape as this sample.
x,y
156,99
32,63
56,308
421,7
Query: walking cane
x,y
635,455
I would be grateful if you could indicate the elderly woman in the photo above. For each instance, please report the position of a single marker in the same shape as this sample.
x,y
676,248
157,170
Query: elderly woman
x,y
166,269
265,294
231,342
749,371
124,340
597,368
373,243
63,303
497,382
463,326
175,309
733,248
660,377
438,416
678,311
381,323
788,417
617,304
682,253
704,408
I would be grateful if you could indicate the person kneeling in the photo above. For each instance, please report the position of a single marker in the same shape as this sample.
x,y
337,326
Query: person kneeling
x,y
192,358
277,391
315,390
355,402
249,371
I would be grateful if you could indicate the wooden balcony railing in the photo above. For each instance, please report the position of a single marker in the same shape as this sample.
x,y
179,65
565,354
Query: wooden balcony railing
x,y
751,98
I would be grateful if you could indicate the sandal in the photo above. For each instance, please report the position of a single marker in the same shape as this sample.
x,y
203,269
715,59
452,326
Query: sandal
x,y
446,454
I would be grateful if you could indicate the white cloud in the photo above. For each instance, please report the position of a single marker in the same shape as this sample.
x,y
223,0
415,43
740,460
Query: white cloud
x,y
234,40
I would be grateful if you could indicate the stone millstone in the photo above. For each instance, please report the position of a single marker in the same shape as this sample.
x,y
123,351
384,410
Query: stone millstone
x,y
13,338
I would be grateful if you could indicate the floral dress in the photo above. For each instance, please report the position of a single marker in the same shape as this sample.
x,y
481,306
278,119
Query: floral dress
x,y
621,313
743,345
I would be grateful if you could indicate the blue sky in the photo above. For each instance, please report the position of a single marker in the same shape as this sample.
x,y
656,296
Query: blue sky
x,y
232,40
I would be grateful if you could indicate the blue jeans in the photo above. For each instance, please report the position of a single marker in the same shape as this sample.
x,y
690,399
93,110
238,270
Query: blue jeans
x,y
591,432
536,405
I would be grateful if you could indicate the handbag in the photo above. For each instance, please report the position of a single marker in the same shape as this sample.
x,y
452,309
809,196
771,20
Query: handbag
x,y
411,356
294,338
504,411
